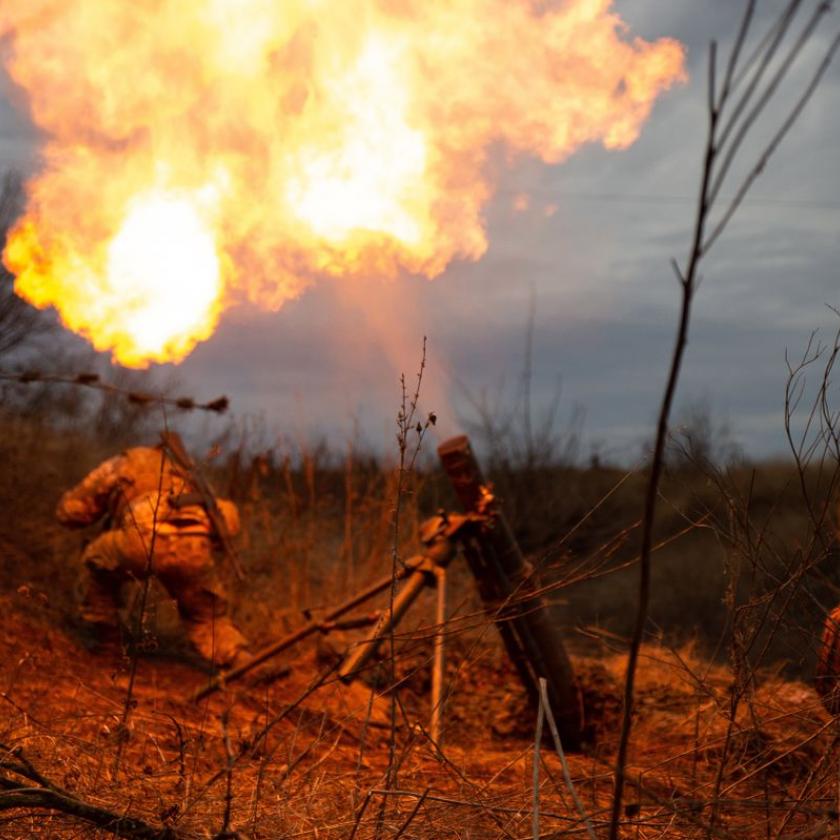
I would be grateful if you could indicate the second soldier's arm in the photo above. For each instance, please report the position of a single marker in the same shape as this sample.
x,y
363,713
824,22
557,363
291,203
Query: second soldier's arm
x,y
91,498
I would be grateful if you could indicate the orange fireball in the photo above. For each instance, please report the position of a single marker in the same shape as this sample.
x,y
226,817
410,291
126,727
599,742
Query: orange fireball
x,y
198,152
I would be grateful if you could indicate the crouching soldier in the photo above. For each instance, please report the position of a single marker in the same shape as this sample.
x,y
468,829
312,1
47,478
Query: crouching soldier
x,y
157,524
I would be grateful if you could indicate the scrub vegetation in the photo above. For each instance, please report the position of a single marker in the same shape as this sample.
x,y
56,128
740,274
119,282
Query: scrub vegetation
x,y
729,737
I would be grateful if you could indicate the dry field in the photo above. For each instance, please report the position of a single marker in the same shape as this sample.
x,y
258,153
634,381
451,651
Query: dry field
x,y
730,739
290,763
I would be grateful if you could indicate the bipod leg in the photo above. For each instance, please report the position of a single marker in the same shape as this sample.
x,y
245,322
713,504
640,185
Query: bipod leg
x,y
438,662
360,655
296,636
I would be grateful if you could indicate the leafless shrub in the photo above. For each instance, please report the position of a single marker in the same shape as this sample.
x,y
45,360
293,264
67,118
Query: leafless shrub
x,y
510,434
699,440
750,81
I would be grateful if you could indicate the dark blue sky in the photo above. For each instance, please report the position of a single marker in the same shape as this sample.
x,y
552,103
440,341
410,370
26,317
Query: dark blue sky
x,y
597,270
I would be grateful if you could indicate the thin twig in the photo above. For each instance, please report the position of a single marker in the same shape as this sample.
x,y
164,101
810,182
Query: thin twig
x,y
92,380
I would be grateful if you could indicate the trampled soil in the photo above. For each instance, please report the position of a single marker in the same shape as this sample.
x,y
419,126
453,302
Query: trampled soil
x,y
288,761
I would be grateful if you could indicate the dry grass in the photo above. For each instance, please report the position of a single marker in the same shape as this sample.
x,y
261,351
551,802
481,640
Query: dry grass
x,y
318,527
311,774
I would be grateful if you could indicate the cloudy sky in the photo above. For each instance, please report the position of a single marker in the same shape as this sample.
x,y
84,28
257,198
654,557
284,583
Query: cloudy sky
x,y
596,273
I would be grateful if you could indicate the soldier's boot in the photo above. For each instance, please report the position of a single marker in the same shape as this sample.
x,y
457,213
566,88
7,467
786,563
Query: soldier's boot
x,y
97,617
211,631
218,640
98,595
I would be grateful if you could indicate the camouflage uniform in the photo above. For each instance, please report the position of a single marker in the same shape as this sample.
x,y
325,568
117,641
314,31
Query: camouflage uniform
x,y
156,525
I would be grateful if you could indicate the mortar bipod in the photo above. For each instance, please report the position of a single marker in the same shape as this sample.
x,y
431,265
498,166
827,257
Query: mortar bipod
x,y
439,538
437,528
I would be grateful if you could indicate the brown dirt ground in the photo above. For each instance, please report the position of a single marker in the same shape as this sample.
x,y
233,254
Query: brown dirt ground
x,y
312,773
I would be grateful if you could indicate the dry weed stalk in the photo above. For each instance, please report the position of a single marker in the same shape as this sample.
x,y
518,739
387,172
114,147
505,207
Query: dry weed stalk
x,y
136,639
94,381
407,424
733,110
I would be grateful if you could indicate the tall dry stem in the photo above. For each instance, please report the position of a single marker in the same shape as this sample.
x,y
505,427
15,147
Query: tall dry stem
x,y
728,129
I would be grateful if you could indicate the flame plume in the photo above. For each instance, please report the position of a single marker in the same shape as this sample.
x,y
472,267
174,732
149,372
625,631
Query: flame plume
x,y
200,152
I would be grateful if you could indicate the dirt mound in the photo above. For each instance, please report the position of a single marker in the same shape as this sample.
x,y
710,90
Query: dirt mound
x,y
291,757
